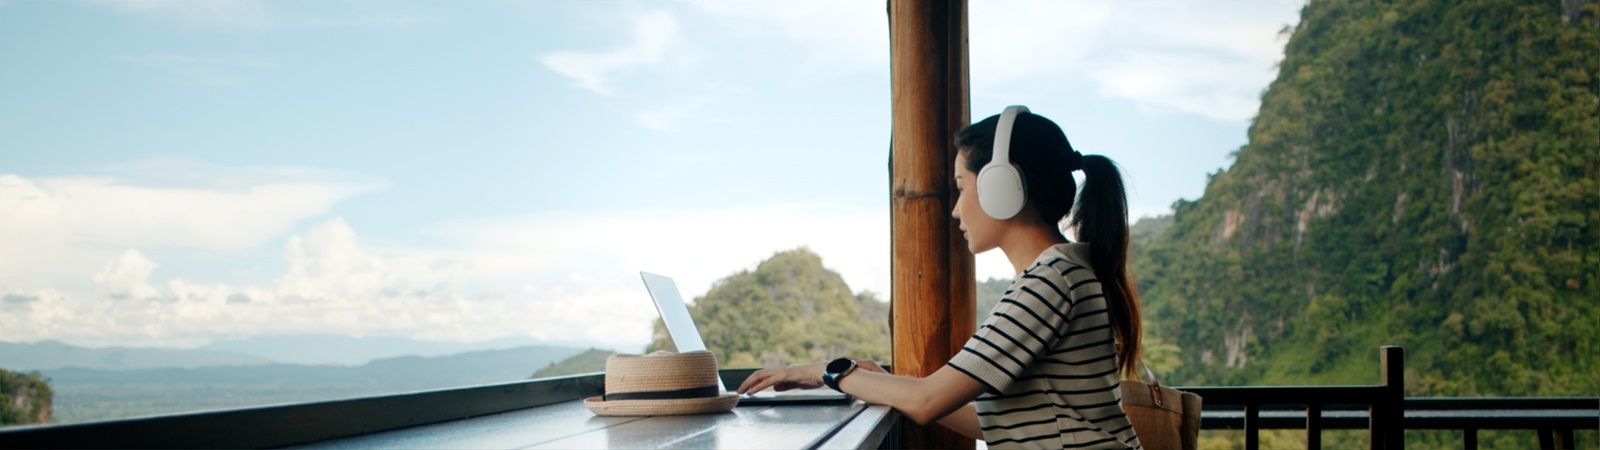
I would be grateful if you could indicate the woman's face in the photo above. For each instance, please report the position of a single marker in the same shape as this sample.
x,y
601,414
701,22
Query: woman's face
x,y
981,231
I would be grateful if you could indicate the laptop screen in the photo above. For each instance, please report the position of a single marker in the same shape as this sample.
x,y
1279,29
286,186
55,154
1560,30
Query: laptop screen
x,y
685,336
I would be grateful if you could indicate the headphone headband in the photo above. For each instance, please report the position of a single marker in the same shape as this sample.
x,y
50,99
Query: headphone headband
x,y
1002,134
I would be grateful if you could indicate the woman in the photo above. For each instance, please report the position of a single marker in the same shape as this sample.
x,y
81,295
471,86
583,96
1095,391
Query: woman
x,y
1043,370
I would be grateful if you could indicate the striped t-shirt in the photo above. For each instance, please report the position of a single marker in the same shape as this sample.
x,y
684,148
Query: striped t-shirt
x,y
1047,355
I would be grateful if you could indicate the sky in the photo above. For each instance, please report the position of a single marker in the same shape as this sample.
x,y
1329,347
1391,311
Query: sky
x,y
178,172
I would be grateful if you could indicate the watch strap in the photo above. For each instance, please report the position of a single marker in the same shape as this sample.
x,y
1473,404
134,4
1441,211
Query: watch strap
x,y
831,378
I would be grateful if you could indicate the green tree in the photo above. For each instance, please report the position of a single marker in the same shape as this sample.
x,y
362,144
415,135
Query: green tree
x,y
789,309
25,398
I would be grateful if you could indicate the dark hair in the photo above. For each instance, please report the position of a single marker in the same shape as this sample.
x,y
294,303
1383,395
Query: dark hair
x,y
1099,214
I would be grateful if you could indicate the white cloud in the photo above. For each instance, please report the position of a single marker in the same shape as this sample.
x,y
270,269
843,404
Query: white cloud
x,y
1014,40
838,35
327,263
654,33
561,277
128,276
331,284
78,221
1185,83
1208,59
105,211
695,247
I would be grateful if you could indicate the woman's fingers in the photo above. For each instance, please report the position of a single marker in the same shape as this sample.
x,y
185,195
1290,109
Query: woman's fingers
x,y
759,386
870,365
757,381
785,378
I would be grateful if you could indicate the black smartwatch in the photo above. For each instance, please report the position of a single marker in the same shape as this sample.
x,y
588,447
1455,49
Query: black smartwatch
x,y
836,371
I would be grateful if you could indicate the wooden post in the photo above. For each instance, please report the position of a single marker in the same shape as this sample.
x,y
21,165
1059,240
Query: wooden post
x,y
1314,426
1392,413
1252,426
933,285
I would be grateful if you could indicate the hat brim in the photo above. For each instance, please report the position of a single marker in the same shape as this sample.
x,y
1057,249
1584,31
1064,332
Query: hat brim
x,y
720,403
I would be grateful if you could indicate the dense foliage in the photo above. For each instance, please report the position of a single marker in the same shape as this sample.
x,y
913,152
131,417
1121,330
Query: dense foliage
x,y
1421,173
25,398
789,310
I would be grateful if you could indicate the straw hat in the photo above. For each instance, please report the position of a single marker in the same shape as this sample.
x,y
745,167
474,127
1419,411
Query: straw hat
x,y
661,383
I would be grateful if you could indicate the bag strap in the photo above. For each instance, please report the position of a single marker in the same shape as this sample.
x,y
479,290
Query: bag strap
x,y
1148,373
1155,384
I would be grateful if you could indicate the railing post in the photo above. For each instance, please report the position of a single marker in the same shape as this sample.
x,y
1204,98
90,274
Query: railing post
x,y
1391,414
1252,426
1469,439
1313,426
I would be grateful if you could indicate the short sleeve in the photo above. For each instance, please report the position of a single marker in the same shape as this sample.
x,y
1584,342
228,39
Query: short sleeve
x,y
1023,326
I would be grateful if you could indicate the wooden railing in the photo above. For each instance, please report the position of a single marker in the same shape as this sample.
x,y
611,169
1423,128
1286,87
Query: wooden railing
x,y
1386,413
1555,419
1381,409
1383,403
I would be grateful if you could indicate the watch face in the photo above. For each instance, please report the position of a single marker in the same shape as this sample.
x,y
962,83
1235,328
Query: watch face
x,y
839,365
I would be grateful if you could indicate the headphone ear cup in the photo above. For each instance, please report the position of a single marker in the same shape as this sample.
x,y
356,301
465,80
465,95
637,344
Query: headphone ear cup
x,y
1000,191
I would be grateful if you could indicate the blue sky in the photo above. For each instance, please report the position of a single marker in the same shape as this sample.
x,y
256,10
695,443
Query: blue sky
x,y
173,172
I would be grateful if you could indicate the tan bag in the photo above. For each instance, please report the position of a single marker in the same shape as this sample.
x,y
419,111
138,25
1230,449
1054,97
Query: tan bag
x,y
1163,417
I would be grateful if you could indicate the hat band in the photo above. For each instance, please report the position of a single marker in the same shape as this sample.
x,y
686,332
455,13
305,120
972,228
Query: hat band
x,y
695,392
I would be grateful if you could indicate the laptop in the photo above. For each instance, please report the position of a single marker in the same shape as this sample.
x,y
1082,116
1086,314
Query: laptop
x,y
686,337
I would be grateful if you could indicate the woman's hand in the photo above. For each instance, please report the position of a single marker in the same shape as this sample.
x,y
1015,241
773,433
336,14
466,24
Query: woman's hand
x,y
800,376
868,365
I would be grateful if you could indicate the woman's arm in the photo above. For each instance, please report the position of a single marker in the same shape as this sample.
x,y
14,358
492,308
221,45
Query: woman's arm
x,y
924,400
964,421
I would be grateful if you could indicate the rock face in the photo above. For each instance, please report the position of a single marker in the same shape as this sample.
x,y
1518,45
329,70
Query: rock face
x,y
25,398
1420,174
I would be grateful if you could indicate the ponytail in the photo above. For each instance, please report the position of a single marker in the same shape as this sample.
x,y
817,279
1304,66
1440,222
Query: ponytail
x,y
1100,217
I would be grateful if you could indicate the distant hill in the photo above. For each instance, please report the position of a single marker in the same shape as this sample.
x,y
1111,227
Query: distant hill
x,y
1147,229
590,361
294,349
50,355
349,351
91,394
790,309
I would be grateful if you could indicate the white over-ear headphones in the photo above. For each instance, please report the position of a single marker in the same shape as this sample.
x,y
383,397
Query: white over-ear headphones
x,y
1000,188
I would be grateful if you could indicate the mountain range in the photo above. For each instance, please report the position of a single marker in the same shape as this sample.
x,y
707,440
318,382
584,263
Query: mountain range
x,y
290,349
109,383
